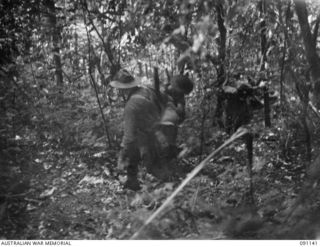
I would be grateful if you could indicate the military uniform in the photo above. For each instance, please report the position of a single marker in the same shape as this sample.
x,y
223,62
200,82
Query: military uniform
x,y
151,122
150,131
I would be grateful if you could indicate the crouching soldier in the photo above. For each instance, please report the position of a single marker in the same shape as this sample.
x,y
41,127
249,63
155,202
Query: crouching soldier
x,y
150,124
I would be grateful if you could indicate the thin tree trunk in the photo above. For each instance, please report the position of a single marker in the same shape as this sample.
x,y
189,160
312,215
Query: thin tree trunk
x,y
140,69
284,52
222,43
146,69
263,45
76,54
263,36
249,144
56,40
267,119
221,73
282,74
310,46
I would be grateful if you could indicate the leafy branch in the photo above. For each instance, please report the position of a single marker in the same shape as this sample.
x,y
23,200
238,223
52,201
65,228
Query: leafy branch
x,y
94,84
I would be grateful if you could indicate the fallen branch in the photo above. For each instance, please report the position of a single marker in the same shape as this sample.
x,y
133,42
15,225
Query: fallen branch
x,y
14,195
240,133
314,109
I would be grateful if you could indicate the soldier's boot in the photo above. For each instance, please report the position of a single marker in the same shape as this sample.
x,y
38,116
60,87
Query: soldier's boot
x,y
161,172
132,182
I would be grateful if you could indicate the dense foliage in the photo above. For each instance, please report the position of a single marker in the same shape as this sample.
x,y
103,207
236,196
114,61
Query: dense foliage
x,y
61,124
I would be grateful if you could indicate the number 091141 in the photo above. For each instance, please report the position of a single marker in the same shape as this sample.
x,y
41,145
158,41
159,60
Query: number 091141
x,y
308,243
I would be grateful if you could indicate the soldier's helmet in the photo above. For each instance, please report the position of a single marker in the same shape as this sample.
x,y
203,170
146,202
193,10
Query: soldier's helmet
x,y
181,84
123,79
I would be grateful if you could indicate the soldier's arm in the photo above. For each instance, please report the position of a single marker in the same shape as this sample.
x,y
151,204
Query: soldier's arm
x,y
129,136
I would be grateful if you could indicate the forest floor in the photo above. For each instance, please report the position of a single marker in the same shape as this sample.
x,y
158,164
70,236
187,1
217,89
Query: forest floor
x,y
54,191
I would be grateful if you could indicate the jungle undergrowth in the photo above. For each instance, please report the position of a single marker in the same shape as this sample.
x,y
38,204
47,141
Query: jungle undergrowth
x,y
73,190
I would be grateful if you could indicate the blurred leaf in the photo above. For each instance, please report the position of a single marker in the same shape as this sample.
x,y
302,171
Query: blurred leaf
x,y
47,192
258,163
91,180
99,155
47,165
137,201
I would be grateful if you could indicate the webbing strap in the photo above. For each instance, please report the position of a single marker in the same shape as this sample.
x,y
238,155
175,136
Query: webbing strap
x,y
137,96
155,101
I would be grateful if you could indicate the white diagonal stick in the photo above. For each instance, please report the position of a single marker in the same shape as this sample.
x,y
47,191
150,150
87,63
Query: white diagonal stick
x,y
241,132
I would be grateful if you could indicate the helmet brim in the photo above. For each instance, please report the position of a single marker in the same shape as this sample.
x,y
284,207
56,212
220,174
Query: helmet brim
x,y
121,85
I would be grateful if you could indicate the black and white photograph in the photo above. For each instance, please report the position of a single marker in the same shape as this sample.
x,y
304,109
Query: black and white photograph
x,y
159,120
